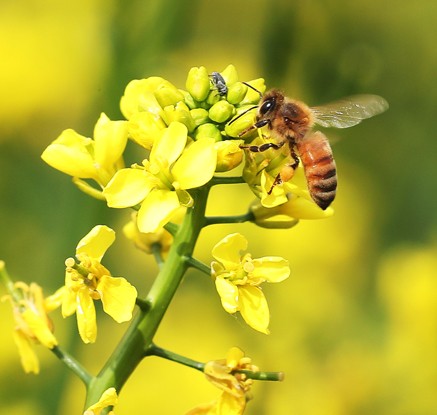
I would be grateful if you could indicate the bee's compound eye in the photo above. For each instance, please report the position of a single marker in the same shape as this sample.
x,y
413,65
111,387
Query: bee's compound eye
x,y
267,106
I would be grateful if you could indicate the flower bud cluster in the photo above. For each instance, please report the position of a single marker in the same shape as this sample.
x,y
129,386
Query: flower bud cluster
x,y
205,107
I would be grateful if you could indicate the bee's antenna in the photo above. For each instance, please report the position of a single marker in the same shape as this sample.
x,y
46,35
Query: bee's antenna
x,y
249,109
252,87
239,116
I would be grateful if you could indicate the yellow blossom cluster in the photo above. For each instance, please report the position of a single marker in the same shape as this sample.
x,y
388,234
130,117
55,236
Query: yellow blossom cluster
x,y
187,137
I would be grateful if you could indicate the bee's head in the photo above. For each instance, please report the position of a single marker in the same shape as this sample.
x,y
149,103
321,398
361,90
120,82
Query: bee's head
x,y
270,103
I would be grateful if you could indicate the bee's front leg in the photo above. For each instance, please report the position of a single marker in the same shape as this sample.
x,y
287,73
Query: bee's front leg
x,y
263,147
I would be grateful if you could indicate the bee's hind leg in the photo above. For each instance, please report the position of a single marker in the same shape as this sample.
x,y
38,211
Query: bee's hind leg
x,y
286,173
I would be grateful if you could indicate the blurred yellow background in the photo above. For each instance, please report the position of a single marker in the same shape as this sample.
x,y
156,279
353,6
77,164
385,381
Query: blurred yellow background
x,y
355,327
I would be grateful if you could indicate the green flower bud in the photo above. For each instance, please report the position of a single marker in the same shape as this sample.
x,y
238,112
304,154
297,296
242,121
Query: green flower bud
x,y
188,99
181,113
221,111
229,154
208,130
230,75
200,115
252,97
213,98
198,84
236,92
234,128
168,96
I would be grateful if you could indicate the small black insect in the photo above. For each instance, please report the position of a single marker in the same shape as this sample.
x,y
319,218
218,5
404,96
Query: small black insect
x,y
219,82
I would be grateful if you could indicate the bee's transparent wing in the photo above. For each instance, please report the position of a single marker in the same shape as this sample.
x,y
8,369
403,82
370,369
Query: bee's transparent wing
x,y
349,111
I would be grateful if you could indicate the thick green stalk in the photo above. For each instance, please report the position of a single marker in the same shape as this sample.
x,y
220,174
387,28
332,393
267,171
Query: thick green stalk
x,y
140,334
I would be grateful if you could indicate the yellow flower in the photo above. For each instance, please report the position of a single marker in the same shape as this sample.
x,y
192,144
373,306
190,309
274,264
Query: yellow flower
x,y
237,279
235,386
260,172
89,280
146,241
288,214
262,168
149,95
85,158
32,324
143,106
161,184
108,398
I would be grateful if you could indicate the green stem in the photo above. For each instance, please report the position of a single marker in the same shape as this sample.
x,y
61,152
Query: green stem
x,y
226,180
72,364
156,251
271,376
143,304
214,220
195,263
154,350
139,336
172,228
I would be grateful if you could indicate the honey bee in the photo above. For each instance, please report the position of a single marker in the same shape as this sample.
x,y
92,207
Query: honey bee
x,y
291,123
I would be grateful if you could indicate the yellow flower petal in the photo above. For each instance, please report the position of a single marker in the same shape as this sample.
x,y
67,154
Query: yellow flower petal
x,y
228,294
128,187
29,360
157,209
69,303
38,326
231,404
86,317
138,96
110,139
304,208
204,409
218,373
229,154
96,242
227,251
254,308
277,195
109,398
144,128
52,302
271,269
197,164
233,357
118,297
71,153
169,146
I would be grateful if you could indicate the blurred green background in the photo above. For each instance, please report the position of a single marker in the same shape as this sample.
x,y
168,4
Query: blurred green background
x,y
355,327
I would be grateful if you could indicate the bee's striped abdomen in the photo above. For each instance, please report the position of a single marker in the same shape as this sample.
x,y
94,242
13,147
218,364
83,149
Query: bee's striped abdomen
x,y
320,170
